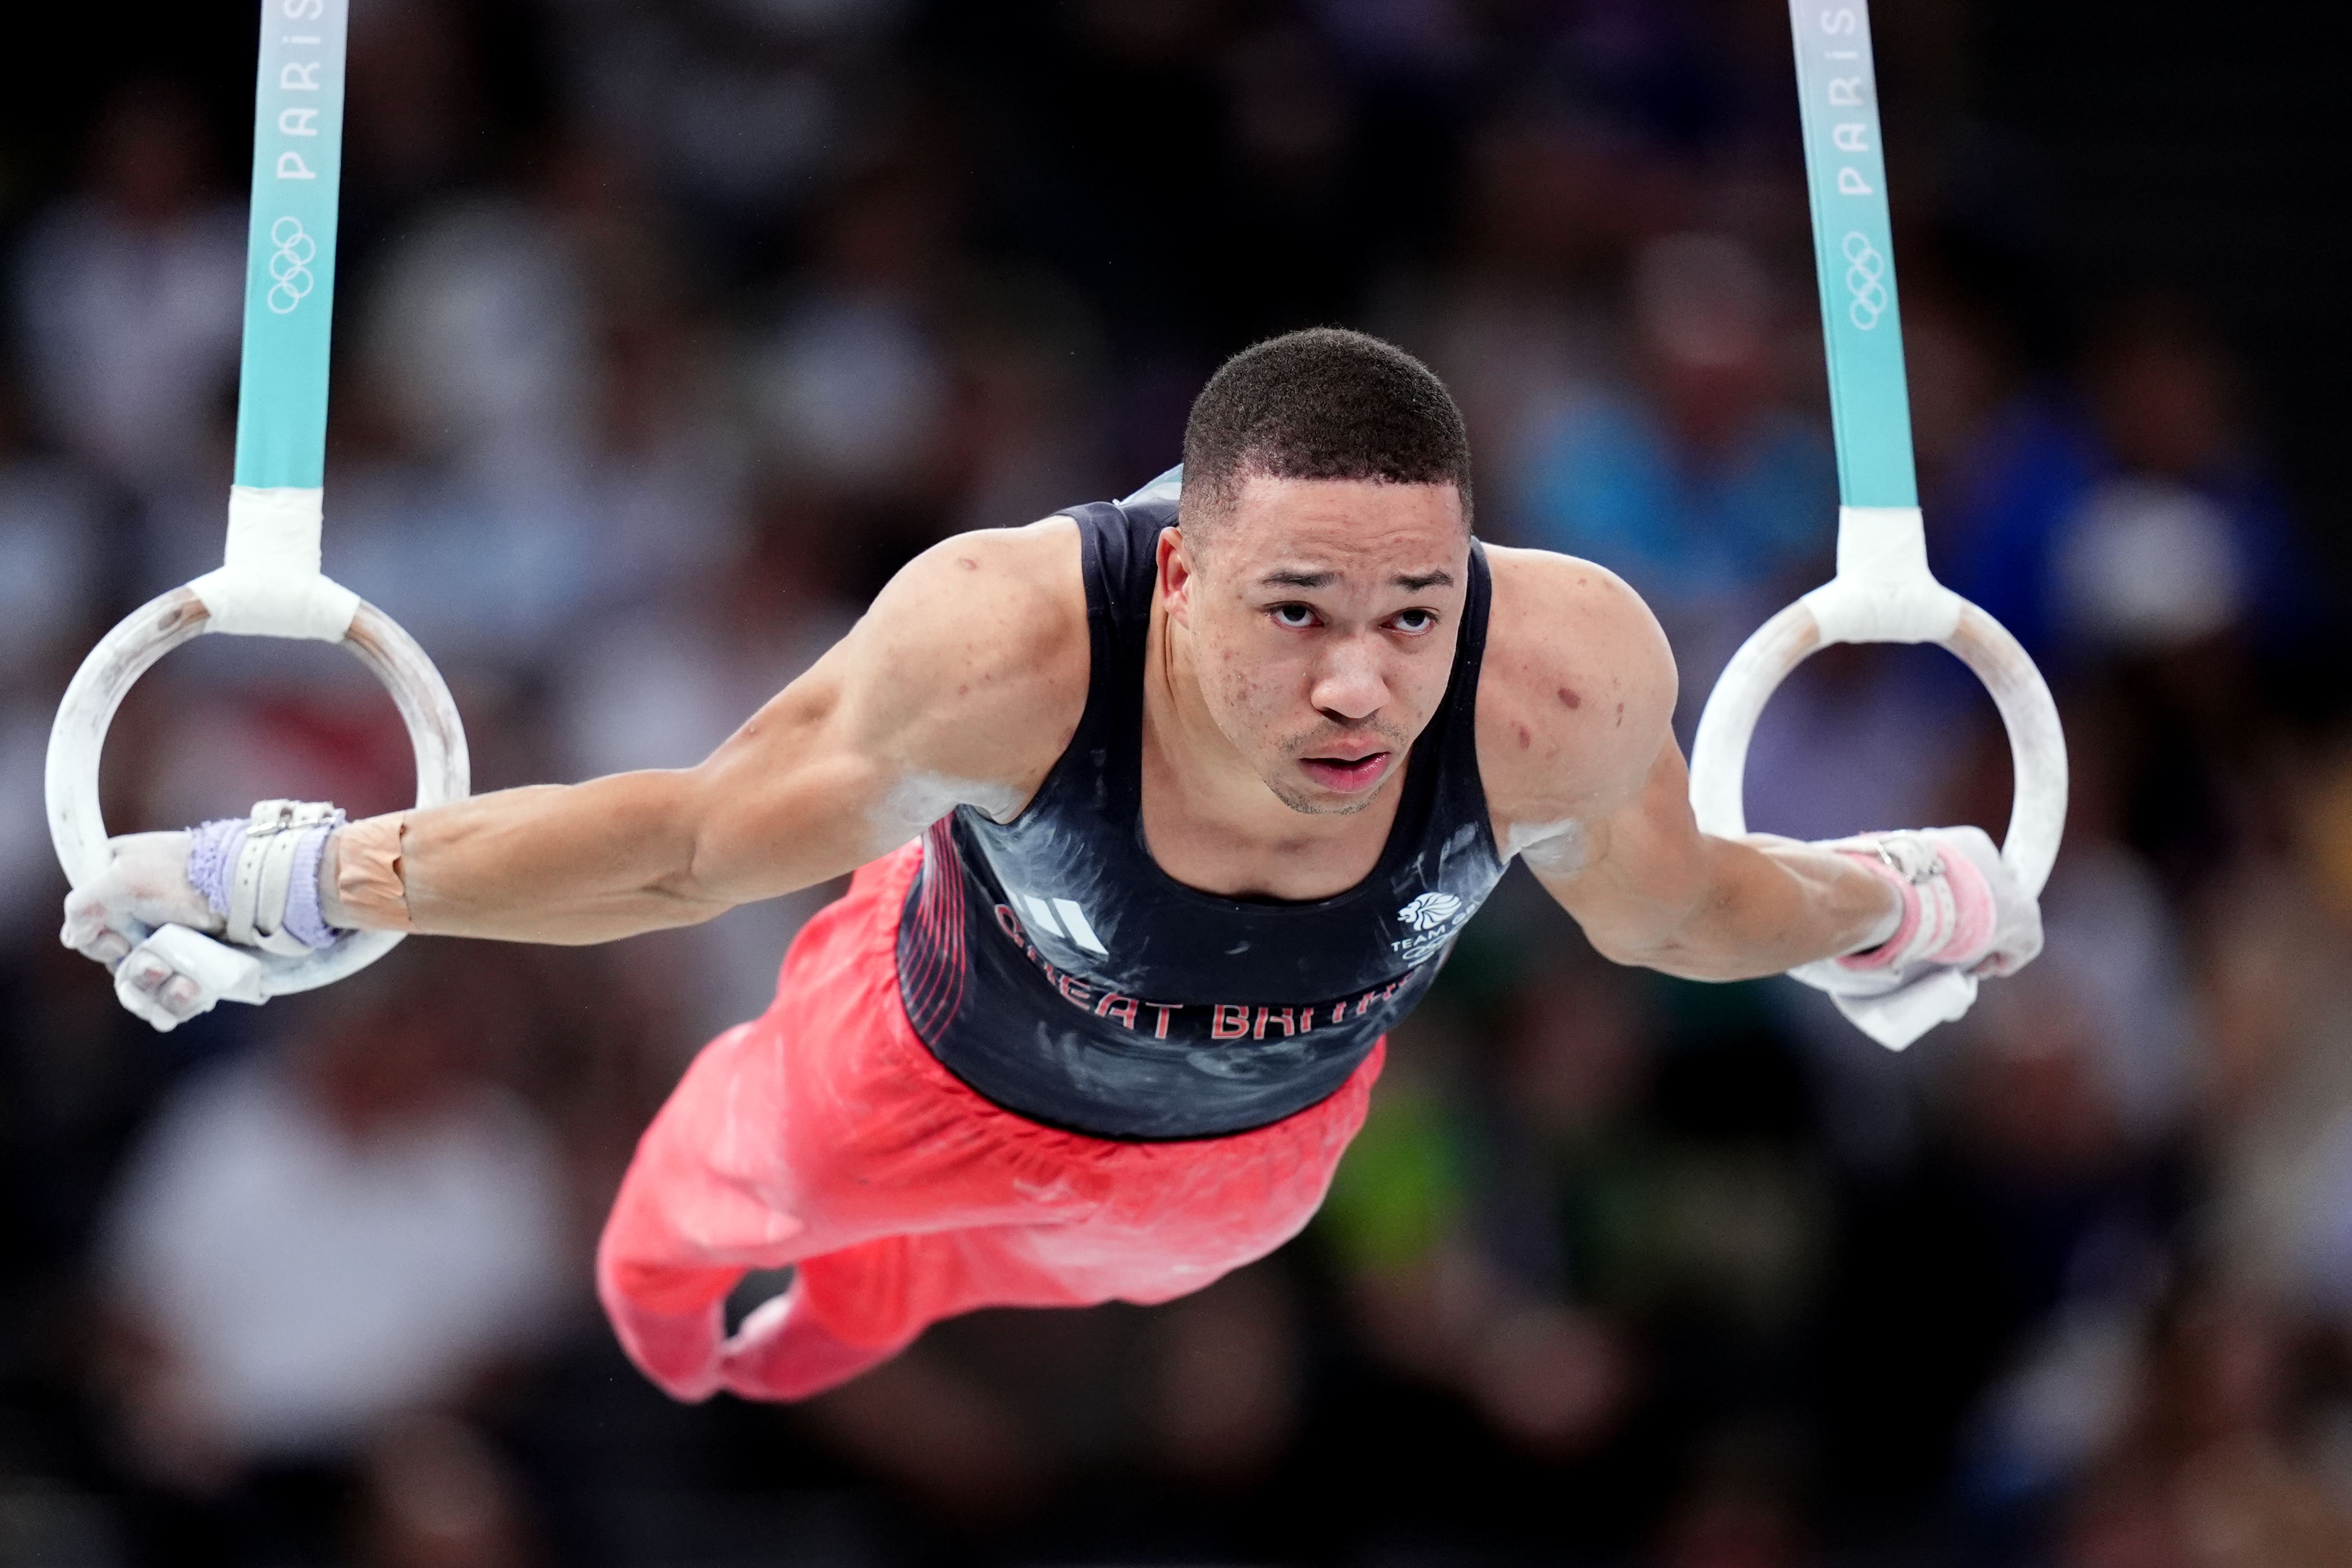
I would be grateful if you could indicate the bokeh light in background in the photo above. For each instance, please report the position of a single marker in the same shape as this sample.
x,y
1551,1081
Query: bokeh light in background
x,y
667,330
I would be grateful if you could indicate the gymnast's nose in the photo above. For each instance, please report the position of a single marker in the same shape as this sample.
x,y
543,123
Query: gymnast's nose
x,y
1349,686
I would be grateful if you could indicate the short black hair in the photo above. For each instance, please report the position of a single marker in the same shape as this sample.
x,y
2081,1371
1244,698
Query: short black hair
x,y
1322,403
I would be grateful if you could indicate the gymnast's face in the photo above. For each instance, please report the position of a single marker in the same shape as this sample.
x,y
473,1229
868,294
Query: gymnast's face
x,y
1321,616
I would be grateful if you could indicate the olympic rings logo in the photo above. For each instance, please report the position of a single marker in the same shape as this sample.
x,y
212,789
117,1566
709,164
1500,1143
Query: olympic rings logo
x,y
1865,280
290,281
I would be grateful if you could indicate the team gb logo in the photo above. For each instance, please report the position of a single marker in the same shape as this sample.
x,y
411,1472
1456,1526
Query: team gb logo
x,y
1430,911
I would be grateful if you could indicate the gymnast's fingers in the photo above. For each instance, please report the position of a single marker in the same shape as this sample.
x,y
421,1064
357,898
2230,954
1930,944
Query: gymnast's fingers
x,y
2002,962
145,1007
85,931
85,922
102,944
148,972
155,991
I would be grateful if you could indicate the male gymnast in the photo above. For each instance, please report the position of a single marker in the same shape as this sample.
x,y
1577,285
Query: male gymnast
x,y
1163,813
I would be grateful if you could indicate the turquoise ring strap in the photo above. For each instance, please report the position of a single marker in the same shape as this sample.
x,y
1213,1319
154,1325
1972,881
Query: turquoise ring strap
x,y
1853,250
290,286
1883,592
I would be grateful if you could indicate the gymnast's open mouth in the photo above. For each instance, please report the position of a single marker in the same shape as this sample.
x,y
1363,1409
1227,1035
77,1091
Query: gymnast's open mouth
x,y
1348,774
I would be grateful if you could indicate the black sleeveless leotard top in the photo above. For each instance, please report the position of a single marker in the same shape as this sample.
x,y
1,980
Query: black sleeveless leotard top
x,y
1050,964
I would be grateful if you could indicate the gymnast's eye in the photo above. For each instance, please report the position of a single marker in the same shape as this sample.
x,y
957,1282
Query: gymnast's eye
x,y
1297,617
1414,621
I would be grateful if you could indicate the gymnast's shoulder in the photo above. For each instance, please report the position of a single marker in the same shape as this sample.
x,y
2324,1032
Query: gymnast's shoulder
x,y
987,628
1575,693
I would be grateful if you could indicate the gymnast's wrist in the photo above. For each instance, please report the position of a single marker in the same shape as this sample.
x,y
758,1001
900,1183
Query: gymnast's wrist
x,y
1889,926
330,900
361,885
1894,929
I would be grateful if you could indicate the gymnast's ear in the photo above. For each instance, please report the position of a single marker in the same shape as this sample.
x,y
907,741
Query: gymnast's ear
x,y
1178,572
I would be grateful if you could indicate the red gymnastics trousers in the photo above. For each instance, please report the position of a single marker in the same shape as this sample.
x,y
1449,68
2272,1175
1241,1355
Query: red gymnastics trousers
x,y
824,1134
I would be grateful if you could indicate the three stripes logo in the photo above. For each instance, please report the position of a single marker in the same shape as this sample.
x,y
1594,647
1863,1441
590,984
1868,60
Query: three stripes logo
x,y
1064,918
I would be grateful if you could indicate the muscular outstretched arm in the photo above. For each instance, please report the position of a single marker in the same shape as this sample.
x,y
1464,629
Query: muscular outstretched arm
x,y
1649,888
960,685
1588,785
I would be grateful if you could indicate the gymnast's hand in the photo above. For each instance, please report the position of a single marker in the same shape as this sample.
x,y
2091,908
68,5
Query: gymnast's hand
x,y
145,887
1962,909
151,915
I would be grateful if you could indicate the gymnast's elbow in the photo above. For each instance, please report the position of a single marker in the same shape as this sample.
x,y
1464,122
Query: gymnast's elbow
x,y
1684,961
730,839
1648,944
1688,943
649,869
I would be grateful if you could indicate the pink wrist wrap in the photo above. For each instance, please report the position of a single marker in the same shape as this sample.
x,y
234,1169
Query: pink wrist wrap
x,y
1948,907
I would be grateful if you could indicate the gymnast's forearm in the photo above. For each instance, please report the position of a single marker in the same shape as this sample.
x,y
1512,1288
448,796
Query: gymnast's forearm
x,y
559,863
1764,905
563,863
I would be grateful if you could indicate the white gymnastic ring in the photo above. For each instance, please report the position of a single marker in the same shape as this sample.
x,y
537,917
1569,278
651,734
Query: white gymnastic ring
x,y
162,624
2037,745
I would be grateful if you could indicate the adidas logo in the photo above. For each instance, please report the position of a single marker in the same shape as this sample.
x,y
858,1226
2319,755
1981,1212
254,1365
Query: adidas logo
x,y
1063,917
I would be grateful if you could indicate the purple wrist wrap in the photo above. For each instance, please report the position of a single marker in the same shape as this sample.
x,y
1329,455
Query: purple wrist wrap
x,y
211,860
212,867
304,921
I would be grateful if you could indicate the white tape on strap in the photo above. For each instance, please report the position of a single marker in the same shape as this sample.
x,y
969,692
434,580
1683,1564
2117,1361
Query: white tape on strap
x,y
1883,591
269,584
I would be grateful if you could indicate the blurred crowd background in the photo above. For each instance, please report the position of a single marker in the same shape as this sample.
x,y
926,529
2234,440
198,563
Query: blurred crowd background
x,y
668,329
